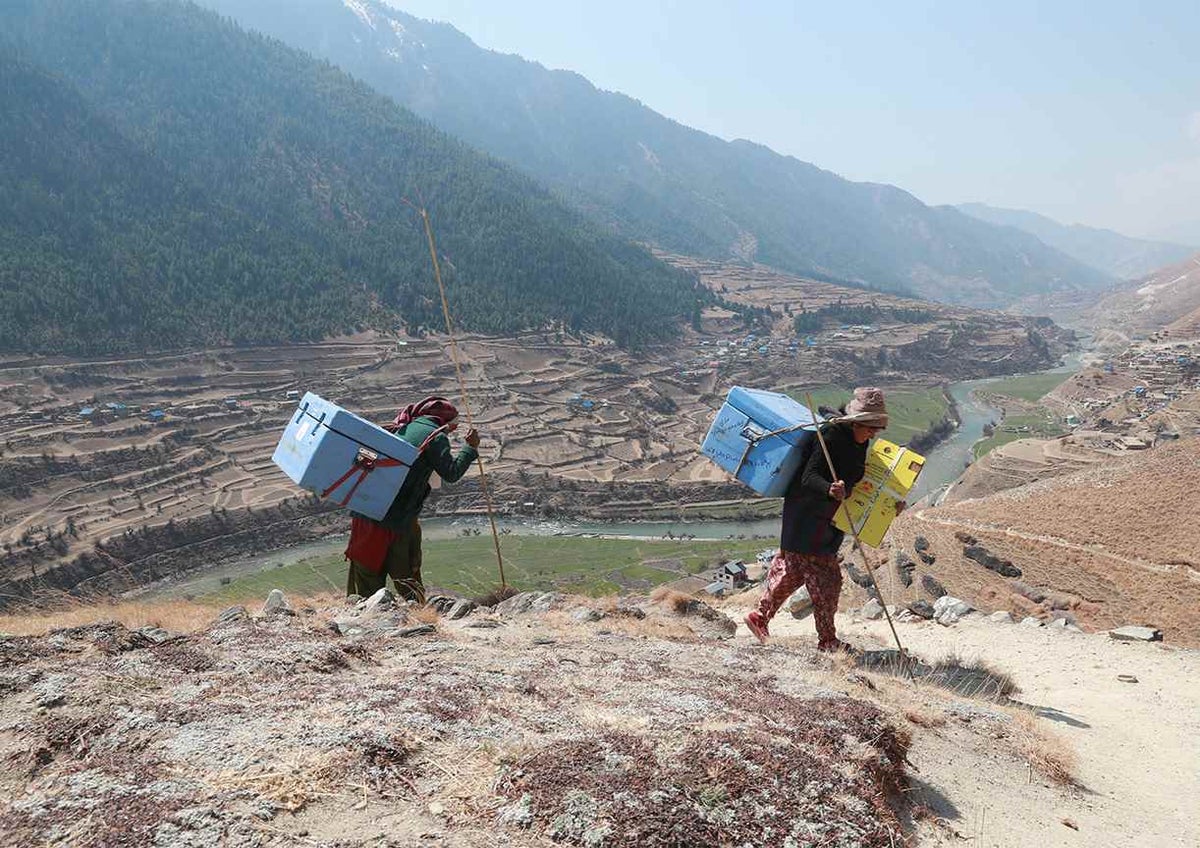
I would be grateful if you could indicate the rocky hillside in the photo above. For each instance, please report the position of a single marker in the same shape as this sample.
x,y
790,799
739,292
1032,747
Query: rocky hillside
x,y
547,720
1109,545
1169,296
655,180
343,726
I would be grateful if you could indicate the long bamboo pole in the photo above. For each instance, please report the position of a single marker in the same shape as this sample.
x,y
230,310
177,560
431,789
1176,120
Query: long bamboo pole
x,y
462,386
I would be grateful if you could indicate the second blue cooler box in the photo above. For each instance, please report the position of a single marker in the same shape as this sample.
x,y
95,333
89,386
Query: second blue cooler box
x,y
738,440
338,455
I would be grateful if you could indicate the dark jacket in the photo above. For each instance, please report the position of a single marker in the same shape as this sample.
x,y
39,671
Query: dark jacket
x,y
807,507
438,457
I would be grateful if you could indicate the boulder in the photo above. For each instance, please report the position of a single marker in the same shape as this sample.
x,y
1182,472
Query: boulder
x,y
1031,621
927,558
800,604
949,603
461,609
932,587
546,601
1132,633
1065,617
416,630
584,615
1057,624
860,578
276,604
1001,617
920,544
947,617
517,604
1032,593
921,609
904,567
990,561
965,538
871,610
442,603
232,614
380,601
154,634
629,611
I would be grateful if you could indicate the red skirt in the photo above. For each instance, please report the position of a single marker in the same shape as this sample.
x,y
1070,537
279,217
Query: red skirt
x,y
369,543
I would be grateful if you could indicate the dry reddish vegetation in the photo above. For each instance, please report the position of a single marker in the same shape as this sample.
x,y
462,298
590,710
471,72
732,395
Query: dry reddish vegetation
x,y
1114,544
277,731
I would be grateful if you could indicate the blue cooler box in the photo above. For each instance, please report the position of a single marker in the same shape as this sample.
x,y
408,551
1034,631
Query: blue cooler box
x,y
736,439
338,455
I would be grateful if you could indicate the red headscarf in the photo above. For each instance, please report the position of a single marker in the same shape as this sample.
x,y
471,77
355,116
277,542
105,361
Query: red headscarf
x,y
438,408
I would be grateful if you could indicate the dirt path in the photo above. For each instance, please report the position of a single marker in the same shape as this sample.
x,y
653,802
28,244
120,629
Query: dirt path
x,y
1138,743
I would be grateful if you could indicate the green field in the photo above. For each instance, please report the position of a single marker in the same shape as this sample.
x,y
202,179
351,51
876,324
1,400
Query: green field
x,y
1039,424
1030,387
572,564
911,409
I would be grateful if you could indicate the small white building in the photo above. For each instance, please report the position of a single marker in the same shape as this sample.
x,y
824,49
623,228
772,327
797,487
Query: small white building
x,y
732,574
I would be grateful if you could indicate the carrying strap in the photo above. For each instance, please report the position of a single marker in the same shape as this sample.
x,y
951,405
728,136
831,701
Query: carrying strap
x,y
366,461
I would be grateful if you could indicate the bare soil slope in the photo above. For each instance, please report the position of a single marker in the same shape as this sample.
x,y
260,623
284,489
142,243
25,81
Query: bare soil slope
x,y
1113,544
1164,297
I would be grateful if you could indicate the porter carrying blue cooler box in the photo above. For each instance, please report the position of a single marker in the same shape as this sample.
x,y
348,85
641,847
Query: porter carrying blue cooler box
x,y
738,440
338,455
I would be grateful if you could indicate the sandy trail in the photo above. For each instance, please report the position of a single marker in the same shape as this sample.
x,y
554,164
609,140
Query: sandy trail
x,y
1138,743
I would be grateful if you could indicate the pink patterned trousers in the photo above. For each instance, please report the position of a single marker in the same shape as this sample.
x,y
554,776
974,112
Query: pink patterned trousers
x,y
820,573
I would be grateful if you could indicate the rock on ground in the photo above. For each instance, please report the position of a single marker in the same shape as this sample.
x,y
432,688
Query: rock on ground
x,y
381,600
932,587
921,609
871,610
800,604
1132,633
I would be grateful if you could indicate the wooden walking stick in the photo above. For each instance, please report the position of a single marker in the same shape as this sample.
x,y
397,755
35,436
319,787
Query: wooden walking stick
x,y
462,383
854,531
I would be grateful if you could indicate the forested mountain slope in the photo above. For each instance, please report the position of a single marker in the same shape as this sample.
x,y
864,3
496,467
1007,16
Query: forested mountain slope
x,y
168,179
654,179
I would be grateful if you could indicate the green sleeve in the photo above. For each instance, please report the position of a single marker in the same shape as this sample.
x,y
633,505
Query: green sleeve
x,y
450,467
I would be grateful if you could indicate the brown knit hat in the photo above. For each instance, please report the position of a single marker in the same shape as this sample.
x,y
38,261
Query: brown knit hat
x,y
867,408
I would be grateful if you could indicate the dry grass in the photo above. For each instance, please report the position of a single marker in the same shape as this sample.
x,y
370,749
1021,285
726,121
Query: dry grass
x,y
924,717
1045,751
495,596
677,601
746,599
177,616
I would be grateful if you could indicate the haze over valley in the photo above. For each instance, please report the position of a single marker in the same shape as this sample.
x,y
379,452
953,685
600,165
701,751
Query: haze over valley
x,y
209,209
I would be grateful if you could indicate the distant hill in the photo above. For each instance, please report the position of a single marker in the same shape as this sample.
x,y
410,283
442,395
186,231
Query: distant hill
x,y
1170,297
1107,251
653,179
167,179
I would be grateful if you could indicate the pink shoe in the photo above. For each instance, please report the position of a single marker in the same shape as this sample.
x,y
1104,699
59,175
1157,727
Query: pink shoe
x,y
757,625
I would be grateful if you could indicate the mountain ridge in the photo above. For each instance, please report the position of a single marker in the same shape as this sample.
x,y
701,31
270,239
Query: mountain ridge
x,y
654,179
1106,250
283,197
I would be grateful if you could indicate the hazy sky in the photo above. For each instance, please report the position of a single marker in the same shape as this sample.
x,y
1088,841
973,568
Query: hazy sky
x,y
1085,111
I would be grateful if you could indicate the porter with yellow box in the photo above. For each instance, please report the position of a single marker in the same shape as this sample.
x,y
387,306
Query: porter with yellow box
x,y
890,474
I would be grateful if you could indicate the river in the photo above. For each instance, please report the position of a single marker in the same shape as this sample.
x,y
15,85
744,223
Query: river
x,y
943,466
